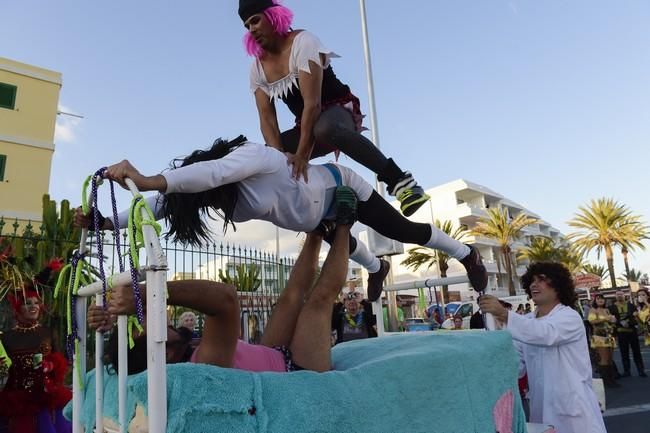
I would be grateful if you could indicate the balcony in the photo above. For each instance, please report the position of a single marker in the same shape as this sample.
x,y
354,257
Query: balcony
x,y
469,213
481,240
533,230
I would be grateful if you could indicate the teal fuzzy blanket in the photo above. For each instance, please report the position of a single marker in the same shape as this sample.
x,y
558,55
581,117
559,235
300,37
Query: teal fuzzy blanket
x,y
445,382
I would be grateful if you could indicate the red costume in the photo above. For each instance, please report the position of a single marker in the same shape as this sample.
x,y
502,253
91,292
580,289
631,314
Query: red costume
x,y
35,393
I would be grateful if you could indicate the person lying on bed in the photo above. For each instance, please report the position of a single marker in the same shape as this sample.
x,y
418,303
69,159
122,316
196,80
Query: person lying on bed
x,y
297,336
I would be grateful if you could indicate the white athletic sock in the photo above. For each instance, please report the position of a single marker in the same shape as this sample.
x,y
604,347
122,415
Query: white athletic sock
x,y
441,241
364,257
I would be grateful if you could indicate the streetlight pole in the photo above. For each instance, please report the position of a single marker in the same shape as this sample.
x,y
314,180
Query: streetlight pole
x,y
374,131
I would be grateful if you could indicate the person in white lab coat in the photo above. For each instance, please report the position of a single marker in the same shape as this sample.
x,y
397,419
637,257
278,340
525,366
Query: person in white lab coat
x,y
553,351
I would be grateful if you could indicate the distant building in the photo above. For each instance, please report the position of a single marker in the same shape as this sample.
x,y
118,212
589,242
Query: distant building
x,y
463,203
273,276
29,97
179,276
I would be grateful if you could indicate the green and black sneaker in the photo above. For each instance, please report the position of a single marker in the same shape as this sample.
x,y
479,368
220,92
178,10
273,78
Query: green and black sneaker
x,y
410,195
346,206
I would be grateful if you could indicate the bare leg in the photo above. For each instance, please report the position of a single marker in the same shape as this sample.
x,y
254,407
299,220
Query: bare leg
x,y
282,323
311,343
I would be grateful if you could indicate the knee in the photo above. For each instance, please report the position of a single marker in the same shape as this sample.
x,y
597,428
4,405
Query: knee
x,y
323,129
328,130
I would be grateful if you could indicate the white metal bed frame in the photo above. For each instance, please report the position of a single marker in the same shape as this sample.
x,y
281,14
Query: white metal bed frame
x,y
156,272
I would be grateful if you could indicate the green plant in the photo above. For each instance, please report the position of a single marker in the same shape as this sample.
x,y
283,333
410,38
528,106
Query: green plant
x,y
503,229
603,224
599,270
246,278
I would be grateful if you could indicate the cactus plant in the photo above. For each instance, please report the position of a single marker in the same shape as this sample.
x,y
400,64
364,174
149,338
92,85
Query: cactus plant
x,y
246,278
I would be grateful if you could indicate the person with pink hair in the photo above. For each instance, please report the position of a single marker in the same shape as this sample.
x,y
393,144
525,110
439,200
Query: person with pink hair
x,y
293,66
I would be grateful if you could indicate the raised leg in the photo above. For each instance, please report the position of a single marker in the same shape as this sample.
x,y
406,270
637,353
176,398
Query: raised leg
x,y
282,323
311,343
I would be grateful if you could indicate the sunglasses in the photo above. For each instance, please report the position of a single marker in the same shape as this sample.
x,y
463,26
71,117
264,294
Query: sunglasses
x,y
353,295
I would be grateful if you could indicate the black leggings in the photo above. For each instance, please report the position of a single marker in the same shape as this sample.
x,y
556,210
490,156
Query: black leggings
x,y
377,214
335,127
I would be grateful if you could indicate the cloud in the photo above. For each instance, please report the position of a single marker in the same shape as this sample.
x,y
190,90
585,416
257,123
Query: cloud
x,y
258,235
66,126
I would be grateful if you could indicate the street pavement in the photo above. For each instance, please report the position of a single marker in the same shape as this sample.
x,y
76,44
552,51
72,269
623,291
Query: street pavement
x,y
628,407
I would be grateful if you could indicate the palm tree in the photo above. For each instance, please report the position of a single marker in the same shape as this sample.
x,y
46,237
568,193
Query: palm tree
x,y
603,224
545,249
632,275
635,232
504,230
571,257
420,256
540,249
599,270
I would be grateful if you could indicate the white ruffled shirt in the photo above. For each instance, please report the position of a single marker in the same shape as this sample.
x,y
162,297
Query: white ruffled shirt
x,y
305,47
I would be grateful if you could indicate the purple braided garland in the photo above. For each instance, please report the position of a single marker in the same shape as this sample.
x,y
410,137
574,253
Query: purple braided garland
x,y
116,229
100,246
74,335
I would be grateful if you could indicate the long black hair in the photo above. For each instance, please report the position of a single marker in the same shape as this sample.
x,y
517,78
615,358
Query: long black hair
x,y
184,212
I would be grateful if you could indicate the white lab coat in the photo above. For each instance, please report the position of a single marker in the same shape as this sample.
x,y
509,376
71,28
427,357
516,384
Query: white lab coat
x,y
553,351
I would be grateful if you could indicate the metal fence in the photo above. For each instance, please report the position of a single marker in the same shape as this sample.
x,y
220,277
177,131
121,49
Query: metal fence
x,y
211,262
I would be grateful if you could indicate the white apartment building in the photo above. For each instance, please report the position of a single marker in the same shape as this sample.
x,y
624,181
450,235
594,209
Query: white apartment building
x,y
273,277
463,203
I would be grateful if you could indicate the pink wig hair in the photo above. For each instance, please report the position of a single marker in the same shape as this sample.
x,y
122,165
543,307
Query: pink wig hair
x,y
280,18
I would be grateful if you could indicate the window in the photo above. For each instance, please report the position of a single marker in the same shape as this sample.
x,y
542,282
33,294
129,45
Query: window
x,y
466,310
7,96
3,163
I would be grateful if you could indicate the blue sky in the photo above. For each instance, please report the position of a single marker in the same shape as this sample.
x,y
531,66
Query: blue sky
x,y
547,103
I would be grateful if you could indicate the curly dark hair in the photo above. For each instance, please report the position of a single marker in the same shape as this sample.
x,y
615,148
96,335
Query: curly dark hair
x,y
559,278
598,296
185,212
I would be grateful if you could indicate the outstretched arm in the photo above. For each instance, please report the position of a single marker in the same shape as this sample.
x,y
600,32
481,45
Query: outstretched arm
x,y
310,89
154,202
268,119
217,301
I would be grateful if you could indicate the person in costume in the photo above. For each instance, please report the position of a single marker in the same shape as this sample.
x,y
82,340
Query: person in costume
x,y
553,351
245,181
603,339
297,335
627,325
294,66
644,314
34,394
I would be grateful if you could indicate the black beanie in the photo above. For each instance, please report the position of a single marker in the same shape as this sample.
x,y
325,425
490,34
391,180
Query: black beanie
x,y
248,8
